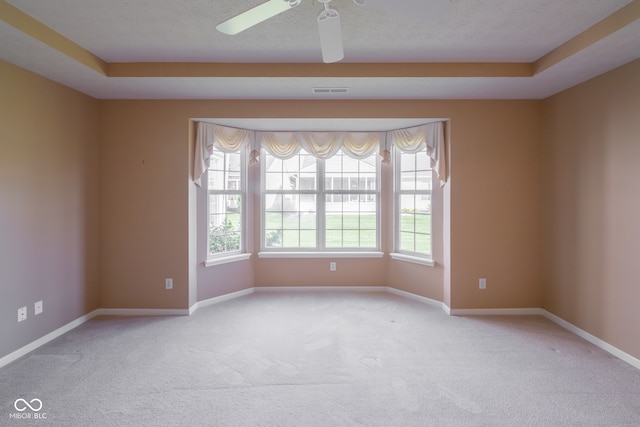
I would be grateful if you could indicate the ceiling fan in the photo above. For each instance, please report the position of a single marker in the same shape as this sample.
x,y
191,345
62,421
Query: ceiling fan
x,y
329,19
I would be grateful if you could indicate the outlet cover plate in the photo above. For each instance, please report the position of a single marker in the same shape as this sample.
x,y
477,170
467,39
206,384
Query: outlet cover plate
x,y
22,314
37,307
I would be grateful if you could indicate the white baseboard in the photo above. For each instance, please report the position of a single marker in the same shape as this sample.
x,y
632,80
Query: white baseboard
x,y
320,288
631,360
142,312
221,298
495,311
419,298
23,351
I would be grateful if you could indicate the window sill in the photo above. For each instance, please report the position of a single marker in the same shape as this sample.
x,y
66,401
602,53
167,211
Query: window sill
x,y
226,259
414,259
320,254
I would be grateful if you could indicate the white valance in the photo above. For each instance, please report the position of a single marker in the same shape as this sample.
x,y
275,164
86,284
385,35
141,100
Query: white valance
x,y
226,139
321,145
419,138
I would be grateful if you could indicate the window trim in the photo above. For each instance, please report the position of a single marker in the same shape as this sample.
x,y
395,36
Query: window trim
x,y
210,262
320,250
428,261
319,254
239,254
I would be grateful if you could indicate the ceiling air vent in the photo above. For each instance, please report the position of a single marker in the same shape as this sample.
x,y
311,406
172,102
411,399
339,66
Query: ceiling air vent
x,y
329,90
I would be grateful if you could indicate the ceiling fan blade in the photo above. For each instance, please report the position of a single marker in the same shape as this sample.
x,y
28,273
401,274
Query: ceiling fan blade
x,y
330,36
423,10
255,15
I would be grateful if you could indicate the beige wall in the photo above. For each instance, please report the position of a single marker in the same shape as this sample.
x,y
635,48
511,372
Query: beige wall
x,y
48,205
592,206
495,193
135,191
97,206
144,220
494,205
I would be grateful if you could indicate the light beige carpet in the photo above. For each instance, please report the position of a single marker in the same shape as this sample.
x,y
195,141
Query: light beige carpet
x,y
321,359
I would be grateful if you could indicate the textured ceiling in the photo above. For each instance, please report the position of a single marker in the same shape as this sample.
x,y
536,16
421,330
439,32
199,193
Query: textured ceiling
x,y
167,31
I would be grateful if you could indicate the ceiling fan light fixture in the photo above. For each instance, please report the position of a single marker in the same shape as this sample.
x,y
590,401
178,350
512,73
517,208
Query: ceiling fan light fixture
x,y
255,15
330,35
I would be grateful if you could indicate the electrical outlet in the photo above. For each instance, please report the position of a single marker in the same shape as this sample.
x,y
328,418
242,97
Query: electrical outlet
x,y
22,314
332,266
482,283
168,283
37,307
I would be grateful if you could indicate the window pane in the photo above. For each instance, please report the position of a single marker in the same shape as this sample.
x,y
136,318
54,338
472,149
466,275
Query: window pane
x,y
423,162
351,239
352,222
333,164
350,216
232,171
407,242
407,162
225,222
423,243
307,238
408,181
216,179
333,238
273,181
307,181
414,185
225,175
291,238
273,202
290,181
308,221
423,223
423,203
407,222
291,221
423,180
273,238
407,203
368,239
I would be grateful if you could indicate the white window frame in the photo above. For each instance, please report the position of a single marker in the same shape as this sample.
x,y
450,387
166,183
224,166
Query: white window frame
x,y
239,254
320,250
403,254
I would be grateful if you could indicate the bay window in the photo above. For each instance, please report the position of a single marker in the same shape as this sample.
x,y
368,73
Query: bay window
x,y
413,184
226,201
320,204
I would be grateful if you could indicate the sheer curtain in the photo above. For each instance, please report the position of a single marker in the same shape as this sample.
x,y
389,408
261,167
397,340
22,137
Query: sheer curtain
x,y
322,145
226,139
429,137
